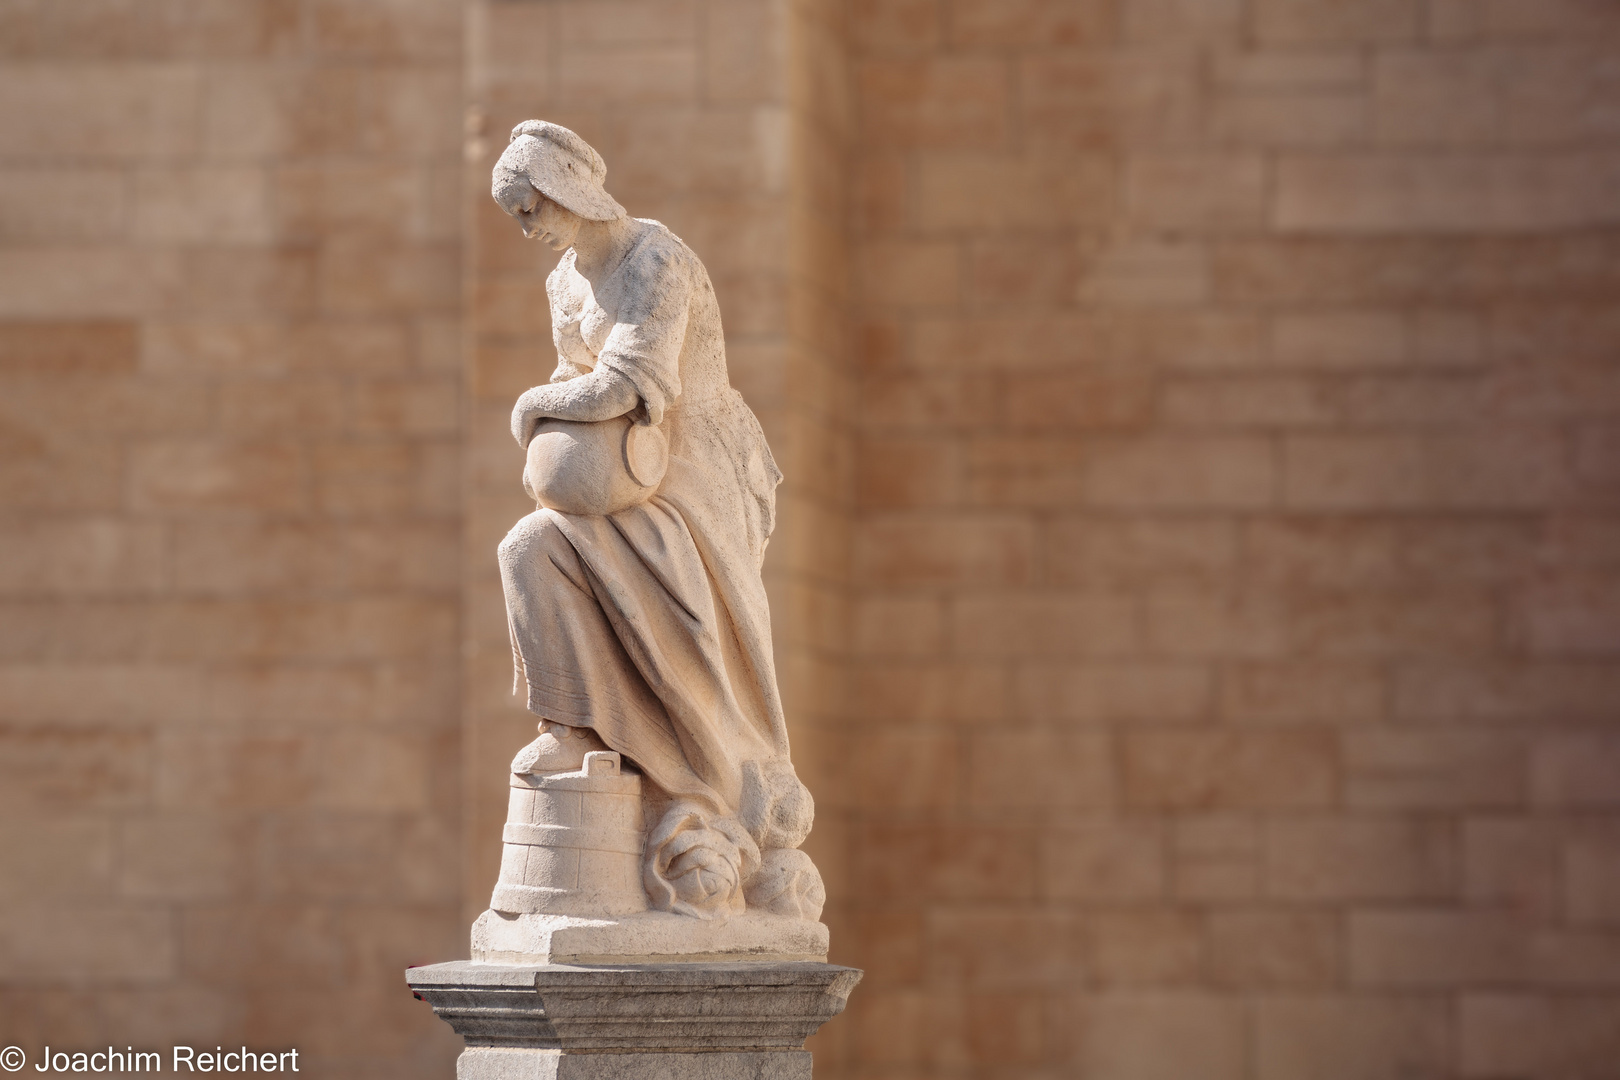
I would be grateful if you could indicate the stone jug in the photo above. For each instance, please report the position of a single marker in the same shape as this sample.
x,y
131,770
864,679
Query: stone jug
x,y
594,468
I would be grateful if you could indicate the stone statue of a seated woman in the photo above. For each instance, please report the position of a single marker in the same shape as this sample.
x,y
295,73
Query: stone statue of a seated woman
x,y
638,616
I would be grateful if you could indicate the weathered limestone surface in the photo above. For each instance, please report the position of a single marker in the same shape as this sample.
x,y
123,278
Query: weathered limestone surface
x,y
657,817
640,628
730,1021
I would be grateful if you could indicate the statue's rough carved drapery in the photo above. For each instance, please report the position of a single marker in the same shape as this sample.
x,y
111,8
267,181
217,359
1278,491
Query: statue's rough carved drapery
x,y
645,630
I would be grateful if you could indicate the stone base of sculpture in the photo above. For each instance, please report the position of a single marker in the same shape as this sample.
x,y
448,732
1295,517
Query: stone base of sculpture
x,y
688,1021
647,937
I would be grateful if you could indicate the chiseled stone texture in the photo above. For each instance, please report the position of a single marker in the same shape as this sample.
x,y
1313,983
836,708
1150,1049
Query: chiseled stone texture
x,y
731,1021
229,525
1234,579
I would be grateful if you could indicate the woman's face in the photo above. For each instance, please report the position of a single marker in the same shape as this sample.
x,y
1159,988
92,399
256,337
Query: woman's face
x,y
554,225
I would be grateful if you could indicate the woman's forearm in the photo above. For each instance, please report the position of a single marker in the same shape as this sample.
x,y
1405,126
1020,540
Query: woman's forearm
x,y
601,395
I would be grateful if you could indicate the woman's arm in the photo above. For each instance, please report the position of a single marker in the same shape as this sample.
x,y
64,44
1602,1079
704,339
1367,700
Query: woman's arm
x,y
601,395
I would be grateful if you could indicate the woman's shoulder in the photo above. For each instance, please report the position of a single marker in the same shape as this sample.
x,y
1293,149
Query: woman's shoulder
x,y
657,251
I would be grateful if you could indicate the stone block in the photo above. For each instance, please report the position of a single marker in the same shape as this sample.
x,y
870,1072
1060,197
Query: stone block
x,y
1146,273
1360,858
184,856
46,205
1451,194
892,26
1163,1036
1337,21
98,347
1203,623
1275,949
359,276
1591,880
1202,770
725,1021
1020,624
1523,470
919,274
1028,271
498,1063
110,112
1573,616
911,770
1117,692
1134,550
994,949
1352,1038
1082,100
56,856
1302,692
1026,23
933,692
1103,859
949,101
501,939
1301,70
1254,402
403,31
82,556
1435,769
1197,192
910,862
1186,473
1536,1036
1158,22
45,942
1289,119
1039,771
1148,947
1575,770
1024,472
1435,948
1216,856
1340,340
743,56
1512,862
957,192
202,206
900,626
66,283
930,551
1429,99
1504,692
1086,398
43,768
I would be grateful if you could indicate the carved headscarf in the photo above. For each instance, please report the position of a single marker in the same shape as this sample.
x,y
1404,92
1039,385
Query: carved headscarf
x,y
562,166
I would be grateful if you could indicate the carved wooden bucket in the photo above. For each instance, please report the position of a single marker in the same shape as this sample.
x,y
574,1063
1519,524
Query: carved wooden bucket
x,y
573,842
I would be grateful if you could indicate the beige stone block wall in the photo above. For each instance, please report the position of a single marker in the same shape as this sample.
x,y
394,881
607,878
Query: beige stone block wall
x,y
1195,593
1231,618
230,416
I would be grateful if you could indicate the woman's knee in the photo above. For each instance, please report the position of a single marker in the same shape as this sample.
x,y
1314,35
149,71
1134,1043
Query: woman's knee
x,y
539,532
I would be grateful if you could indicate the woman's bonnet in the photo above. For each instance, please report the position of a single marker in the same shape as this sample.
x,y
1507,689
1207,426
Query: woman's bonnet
x,y
563,167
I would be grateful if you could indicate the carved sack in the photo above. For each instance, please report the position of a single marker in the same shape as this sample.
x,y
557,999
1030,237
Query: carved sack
x,y
595,468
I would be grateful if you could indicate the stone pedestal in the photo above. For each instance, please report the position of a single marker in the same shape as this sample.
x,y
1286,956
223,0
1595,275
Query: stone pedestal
x,y
686,1021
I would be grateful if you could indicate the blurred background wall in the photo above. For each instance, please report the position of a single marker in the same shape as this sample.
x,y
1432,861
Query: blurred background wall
x,y
1197,590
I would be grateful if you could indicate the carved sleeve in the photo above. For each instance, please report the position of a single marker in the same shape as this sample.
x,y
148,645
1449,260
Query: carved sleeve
x,y
645,343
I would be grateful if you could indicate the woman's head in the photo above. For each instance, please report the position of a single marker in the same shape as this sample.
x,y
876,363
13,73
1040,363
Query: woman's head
x,y
550,179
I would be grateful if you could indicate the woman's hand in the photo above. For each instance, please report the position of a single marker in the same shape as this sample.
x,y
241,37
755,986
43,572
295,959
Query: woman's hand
x,y
601,395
